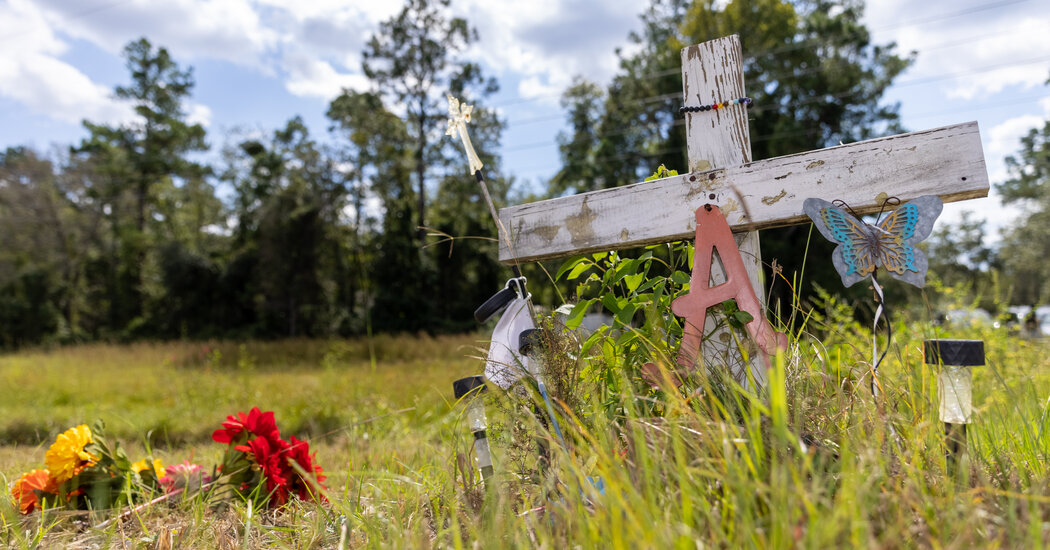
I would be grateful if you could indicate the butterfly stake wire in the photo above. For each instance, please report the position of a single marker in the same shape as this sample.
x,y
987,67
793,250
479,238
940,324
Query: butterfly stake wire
x,y
839,223
880,310
876,359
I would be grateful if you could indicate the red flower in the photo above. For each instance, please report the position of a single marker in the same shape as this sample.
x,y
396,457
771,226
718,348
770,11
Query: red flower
x,y
255,422
299,452
273,459
267,456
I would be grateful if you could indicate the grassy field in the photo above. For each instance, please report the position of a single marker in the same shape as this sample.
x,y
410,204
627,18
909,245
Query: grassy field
x,y
360,416
812,463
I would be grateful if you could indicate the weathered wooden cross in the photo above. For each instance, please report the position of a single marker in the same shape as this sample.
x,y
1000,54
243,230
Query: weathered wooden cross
x,y
947,162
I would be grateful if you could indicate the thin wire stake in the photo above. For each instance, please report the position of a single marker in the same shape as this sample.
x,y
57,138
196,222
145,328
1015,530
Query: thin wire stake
x,y
876,359
459,116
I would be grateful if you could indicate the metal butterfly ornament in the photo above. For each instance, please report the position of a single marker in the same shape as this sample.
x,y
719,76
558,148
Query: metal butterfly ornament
x,y
890,242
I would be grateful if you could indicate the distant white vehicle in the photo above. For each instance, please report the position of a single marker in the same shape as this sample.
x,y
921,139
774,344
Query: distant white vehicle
x,y
970,317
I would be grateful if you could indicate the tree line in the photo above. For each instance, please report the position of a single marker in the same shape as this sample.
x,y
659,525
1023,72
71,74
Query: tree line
x,y
378,226
127,234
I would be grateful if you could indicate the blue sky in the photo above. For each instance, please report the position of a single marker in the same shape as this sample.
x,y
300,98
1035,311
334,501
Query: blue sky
x,y
259,62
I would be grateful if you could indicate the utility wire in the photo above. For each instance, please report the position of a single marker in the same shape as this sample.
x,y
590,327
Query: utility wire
x,y
767,137
966,11
779,76
681,122
809,43
801,102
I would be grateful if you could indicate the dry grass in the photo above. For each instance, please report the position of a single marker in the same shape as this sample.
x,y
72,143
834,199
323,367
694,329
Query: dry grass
x,y
813,463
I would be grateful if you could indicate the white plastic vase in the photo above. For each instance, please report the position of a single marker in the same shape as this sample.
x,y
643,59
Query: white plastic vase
x,y
504,365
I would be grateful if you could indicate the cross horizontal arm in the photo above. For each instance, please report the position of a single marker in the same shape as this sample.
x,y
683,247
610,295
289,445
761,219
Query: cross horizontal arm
x,y
947,162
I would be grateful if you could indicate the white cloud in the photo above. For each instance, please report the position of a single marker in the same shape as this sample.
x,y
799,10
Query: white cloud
x,y
313,46
230,30
1004,139
311,77
1014,49
548,42
967,54
56,89
32,74
973,51
368,12
199,114
539,87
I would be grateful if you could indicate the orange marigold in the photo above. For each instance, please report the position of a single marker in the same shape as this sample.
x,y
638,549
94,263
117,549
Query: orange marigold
x,y
24,490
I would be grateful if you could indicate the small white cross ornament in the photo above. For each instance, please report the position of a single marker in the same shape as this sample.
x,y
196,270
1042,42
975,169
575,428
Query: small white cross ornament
x,y
947,162
458,117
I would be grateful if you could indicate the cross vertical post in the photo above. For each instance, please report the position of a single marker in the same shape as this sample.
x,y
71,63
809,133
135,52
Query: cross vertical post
x,y
947,162
712,72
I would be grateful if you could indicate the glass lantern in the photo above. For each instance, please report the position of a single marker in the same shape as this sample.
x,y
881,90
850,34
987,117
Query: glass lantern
x,y
469,390
956,359
955,378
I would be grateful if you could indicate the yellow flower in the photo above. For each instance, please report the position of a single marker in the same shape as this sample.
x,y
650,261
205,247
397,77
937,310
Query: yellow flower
x,y
67,457
158,467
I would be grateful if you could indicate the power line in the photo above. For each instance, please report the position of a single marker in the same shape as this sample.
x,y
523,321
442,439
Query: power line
x,y
985,69
812,43
933,19
983,107
960,13
813,100
812,131
779,76
679,122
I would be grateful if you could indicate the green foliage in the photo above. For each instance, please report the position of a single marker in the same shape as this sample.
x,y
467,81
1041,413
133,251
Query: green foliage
x,y
1030,169
27,315
637,293
578,148
308,239
46,252
810,66
138,162
662,172
626,289
960,258
414,61
1026,244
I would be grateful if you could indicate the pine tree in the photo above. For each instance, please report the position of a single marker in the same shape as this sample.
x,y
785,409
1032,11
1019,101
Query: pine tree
x,y
137,163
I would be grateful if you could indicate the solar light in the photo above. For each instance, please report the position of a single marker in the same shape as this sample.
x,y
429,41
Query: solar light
x,y
470,389
955,386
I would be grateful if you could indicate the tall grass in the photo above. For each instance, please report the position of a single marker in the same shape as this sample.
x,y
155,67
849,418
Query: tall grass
x,y
813,461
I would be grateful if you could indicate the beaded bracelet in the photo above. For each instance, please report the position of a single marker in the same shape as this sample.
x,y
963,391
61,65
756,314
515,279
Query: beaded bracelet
x,y
715,106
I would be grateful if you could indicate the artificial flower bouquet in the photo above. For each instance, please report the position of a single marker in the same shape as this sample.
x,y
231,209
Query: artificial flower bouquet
x,y
84,471
261,466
